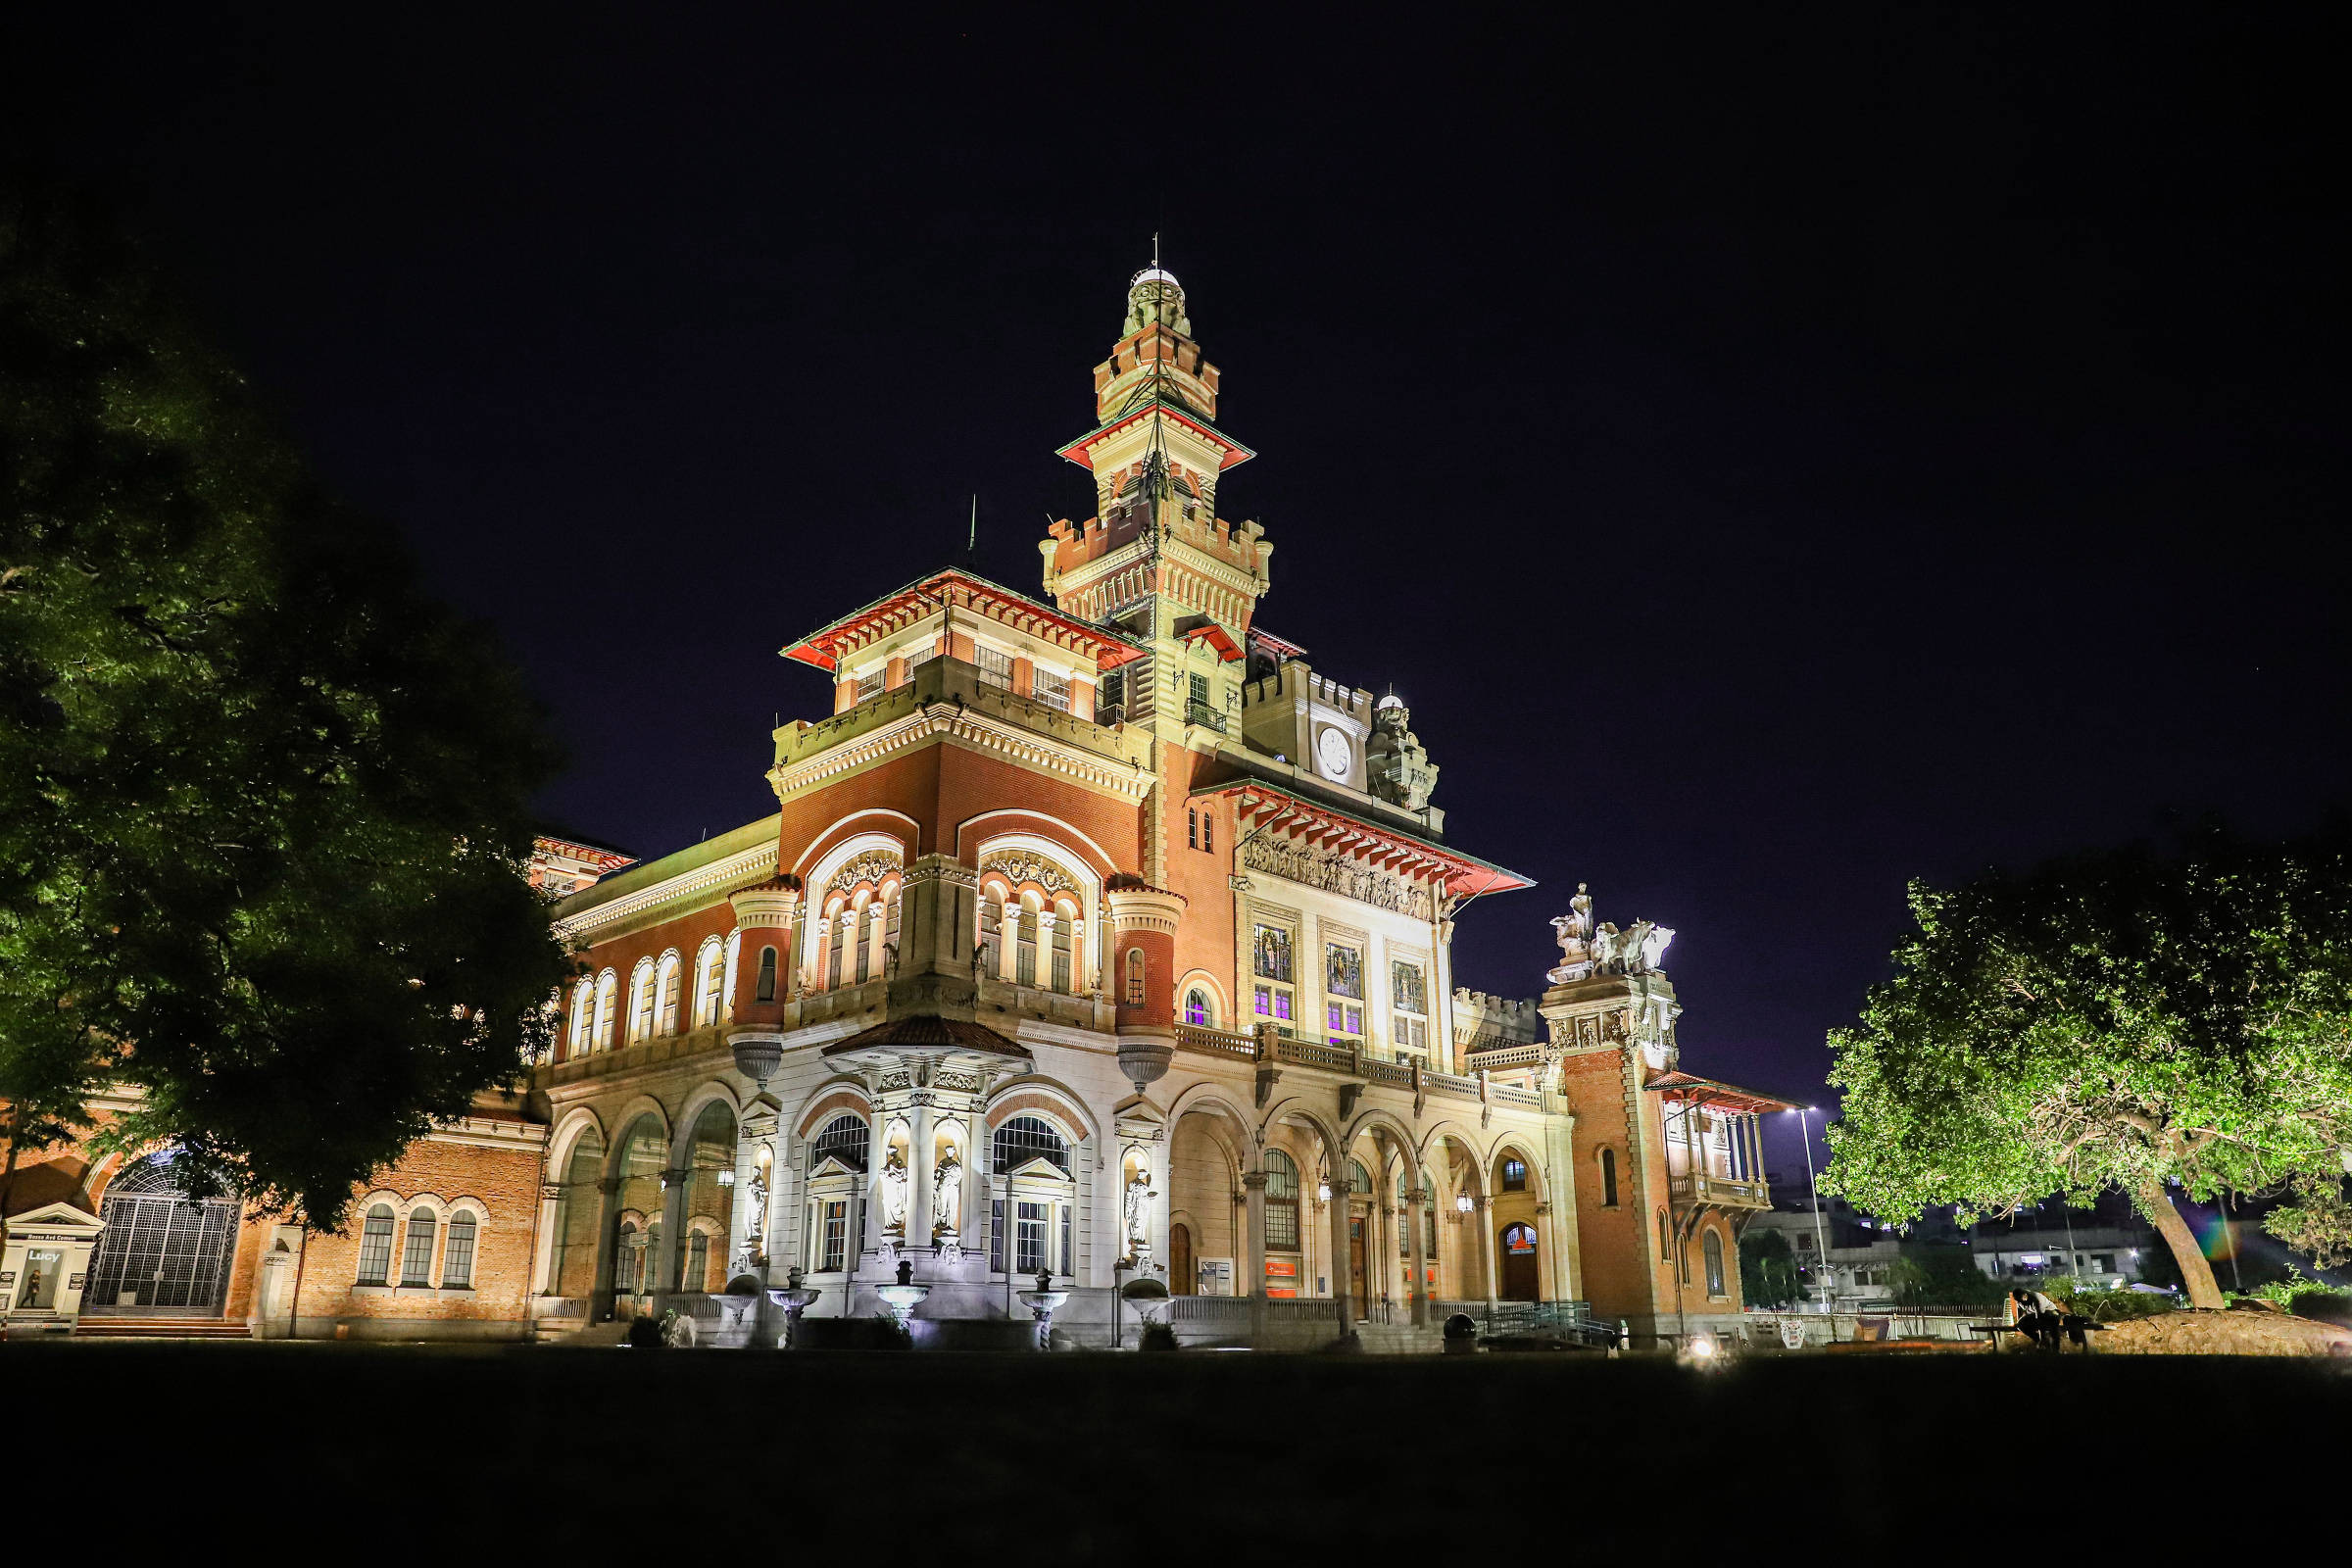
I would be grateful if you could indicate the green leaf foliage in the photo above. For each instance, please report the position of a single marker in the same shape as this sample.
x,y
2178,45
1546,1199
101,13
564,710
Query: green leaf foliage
x,y
1941,1276
1767,1269
264,805
2123,1018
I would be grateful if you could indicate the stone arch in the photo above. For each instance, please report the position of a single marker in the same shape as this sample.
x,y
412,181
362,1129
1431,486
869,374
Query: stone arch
x,y
1388,1121
683,1129
1514,1143
821,843
568,1132
1221,1002
1208,1099
1046,1094
624,1123
828,1100
1099,860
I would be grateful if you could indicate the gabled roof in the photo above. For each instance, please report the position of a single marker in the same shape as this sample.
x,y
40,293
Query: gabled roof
x,y
1339,828
823,648
1234,451
925,1035
1710,1092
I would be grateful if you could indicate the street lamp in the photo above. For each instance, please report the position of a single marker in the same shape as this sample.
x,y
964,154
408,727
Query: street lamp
x,y
1821,1245
1464,1202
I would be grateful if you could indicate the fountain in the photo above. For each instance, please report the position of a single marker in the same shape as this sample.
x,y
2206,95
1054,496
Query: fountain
x,y
903,1298
1041,1304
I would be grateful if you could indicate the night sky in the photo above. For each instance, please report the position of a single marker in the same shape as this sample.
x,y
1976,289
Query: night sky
x,y
1774,464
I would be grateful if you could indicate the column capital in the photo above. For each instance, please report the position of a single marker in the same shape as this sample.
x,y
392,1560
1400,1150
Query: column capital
x,y
1254,1180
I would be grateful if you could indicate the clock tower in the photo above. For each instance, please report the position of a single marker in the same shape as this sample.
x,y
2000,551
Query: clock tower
x,y
1156,560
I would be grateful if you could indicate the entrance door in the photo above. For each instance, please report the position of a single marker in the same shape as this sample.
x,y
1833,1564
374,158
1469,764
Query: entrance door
x,y
1181,1281
1361,1275
1519,1271
160,1253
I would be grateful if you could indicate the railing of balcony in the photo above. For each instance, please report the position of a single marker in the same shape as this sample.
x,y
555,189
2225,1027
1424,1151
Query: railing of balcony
x,y
1500,1058
1216,1041
1689,1189
1513,1095
1205,716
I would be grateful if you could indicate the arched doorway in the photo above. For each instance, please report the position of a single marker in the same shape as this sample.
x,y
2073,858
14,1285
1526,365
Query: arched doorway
x,y
160,1254
1517,1253
1180,1259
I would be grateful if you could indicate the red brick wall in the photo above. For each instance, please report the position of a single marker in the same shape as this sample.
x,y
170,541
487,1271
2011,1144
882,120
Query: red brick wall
x,y
504,1182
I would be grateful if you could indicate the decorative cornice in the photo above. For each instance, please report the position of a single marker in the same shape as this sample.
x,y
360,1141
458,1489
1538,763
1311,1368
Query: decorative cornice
x,y
1126,779
759,861
486,1132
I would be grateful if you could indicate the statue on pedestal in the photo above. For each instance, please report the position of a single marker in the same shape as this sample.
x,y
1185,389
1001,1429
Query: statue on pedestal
x,y
894,1192
947,1199
1139,1213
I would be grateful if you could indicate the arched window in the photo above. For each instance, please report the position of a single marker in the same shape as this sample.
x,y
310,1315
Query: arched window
x,y
767,975
1208,831
1609,1178
1197,1008
1360,1179
608,998
457,1253
583,1016
991,921
710,971
416,1257
1024,948
629,1259
1514,1174
843,1138
1023,1139
640,1001
669,982
1135,977
376,1246
1282,1202
1064,923
698,1261
1191,828
1713,1246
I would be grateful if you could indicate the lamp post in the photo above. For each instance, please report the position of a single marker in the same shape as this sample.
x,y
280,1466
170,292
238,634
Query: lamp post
x,y
1820,1243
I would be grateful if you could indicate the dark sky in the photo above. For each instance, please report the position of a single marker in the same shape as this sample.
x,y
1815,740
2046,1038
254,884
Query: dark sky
x,y
1775,463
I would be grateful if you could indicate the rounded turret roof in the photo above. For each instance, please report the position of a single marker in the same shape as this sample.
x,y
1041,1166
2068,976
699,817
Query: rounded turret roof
x,y
1153,274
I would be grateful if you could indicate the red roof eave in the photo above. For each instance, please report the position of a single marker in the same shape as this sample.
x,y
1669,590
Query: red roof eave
x,y
1216,637
1233,452
1463,874
819,649
1706,1091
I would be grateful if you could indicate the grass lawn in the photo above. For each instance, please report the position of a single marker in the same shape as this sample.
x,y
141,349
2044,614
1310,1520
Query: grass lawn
x,y
1231,1457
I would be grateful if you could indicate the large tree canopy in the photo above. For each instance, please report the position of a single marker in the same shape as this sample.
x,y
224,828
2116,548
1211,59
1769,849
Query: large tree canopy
x,y
263,803
2127,1018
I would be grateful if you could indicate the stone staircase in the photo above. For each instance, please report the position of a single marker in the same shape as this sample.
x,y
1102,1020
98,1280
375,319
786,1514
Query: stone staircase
x,y
160,1328
1400,1338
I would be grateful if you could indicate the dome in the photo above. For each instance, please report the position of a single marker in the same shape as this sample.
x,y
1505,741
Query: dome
x,y
1153,274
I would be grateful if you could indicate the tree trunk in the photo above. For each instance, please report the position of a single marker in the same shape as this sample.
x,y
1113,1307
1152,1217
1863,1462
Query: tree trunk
x,y
2195,1272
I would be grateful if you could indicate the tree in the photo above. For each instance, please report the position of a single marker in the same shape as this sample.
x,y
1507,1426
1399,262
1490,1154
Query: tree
x,y
2124,1018
1941,1276
1767,1269
264,805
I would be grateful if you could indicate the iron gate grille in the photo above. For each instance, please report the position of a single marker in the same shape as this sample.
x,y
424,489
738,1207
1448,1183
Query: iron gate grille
x,y
167,1254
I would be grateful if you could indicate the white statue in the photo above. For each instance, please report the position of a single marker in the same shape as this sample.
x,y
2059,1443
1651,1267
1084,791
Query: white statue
x,y
756,1219
1607,948
894,1192
946,1195
1579,915
1653,946
1629,945
1138,1211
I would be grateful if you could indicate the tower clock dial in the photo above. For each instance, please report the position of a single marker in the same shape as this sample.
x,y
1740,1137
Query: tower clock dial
x,y
1334,753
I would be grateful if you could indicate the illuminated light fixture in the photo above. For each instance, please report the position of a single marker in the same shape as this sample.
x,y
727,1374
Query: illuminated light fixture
x,y
1464,1202
1702,1347
1322,1192
726,1178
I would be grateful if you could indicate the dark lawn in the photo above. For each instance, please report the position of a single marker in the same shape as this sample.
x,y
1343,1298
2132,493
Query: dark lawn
x,y
679,1455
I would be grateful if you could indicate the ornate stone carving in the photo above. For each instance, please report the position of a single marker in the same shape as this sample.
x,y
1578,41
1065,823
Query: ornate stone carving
x,y
894,1192
1333,873
1020,865
871,866
1397,766
947,1198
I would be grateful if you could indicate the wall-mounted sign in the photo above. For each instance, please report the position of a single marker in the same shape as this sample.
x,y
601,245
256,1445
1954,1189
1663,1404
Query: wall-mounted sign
x,y
1282,1277
1216,1276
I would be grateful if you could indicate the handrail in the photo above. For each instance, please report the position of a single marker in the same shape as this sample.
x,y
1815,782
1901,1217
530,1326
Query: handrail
x,y
1216,1041
1498,1057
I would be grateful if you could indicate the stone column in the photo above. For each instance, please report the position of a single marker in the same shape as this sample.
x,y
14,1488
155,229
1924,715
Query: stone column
x,y
1416,1227
920,1160
664,1262
1484,1213
1253,1248
1046,921
607,1238
542,1255
1343,1285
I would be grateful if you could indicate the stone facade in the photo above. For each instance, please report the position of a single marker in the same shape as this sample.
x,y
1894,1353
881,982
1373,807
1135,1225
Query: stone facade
x,y
1097,939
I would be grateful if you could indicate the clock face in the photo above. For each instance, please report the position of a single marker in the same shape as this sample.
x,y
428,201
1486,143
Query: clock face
x,y
1334,753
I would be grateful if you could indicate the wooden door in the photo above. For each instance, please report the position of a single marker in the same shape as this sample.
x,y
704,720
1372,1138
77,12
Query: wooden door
x,y
1358,1272
1516,1247
1181,1281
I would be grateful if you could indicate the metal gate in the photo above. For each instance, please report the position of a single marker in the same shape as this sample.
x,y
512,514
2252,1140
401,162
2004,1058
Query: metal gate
x,y
160,1254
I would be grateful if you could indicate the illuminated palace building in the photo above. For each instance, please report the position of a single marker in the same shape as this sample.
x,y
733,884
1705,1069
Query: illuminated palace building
x,y
1096,935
